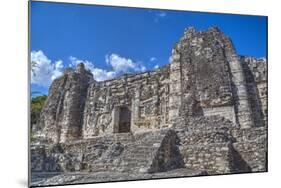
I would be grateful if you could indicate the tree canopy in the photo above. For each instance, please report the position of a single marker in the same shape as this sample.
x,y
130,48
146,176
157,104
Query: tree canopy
x,y
36,107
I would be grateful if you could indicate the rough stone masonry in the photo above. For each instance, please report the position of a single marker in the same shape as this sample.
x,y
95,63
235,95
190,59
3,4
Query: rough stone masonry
x,y
203,113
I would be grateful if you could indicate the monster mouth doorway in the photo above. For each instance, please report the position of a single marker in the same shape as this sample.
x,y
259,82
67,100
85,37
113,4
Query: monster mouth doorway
x,y
124,124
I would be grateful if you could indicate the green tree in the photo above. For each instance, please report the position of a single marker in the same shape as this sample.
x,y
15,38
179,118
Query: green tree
x,y
36,107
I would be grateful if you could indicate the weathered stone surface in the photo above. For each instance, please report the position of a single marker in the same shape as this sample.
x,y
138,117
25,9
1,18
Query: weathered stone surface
x,y
204,113
61,116
46,179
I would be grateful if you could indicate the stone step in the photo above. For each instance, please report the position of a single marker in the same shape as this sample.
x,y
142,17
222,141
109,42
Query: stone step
x,y
141,149
104,154
140,160
145,153
139,156
124,166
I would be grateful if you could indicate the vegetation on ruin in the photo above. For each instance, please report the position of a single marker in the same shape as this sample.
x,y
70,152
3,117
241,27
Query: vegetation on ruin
x,y
36,106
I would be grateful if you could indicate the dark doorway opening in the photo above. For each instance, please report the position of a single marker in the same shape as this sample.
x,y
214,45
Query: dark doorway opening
x,y
124,120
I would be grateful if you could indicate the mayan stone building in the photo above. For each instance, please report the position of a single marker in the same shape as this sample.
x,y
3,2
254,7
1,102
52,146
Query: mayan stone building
x,y
205,111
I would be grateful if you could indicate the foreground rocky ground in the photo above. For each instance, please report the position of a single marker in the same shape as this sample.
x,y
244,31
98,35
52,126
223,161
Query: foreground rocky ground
x,y
45,179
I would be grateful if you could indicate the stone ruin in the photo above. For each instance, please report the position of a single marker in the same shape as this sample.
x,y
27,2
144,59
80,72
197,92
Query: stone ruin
x,y
203,113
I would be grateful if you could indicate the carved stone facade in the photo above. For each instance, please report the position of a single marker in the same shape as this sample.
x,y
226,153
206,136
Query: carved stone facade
x,y
209,100
139,100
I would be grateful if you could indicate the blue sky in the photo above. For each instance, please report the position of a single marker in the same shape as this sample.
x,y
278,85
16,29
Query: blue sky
x,y
115,40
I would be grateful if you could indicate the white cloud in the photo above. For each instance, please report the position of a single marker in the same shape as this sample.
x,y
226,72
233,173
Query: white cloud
x,y
118,66
153,59
44,70
122,65
99,74
74,62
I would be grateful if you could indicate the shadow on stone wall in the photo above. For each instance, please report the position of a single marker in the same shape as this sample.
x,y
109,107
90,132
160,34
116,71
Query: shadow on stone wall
x,y
255,100
168,156
237,163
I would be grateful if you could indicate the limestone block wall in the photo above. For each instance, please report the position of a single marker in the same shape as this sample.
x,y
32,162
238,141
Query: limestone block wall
x,y
175,86
239,87
144,95
37,159
252,146
213,144
214,158
225,111
206,144
256,77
